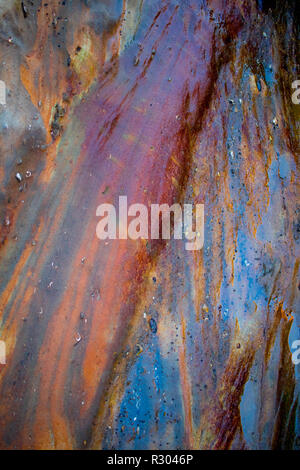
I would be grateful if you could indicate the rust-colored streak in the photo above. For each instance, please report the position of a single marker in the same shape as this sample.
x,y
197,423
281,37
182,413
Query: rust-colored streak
x,y
142,344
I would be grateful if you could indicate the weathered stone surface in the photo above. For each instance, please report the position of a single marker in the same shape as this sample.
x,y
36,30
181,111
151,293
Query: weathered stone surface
x,y
162,101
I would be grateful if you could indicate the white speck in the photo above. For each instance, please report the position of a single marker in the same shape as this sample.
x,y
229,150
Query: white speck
x,y
77,338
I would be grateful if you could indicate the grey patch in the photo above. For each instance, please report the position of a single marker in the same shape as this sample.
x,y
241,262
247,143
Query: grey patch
x,y
284,168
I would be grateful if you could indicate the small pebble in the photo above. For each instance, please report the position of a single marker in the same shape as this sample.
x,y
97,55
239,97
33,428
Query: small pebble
x,y
153,325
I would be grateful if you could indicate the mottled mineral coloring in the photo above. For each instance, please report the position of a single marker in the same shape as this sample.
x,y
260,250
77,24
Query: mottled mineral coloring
x,y
163,101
